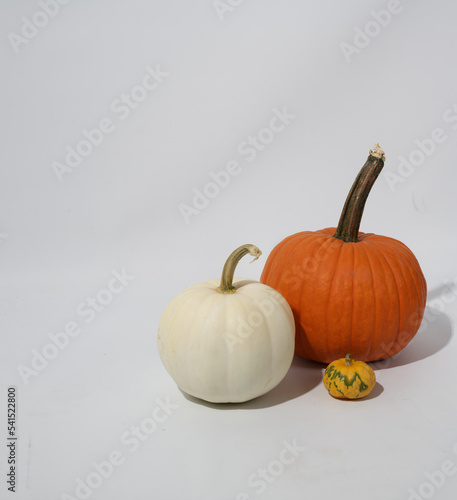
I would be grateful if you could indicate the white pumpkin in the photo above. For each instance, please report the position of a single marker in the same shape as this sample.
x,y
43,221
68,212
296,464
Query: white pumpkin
x,y
227,340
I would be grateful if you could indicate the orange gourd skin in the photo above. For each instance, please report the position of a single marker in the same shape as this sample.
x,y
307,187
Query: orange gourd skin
x,y
365,297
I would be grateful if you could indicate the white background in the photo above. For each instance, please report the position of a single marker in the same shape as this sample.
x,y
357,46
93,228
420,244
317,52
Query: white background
x,y
119,209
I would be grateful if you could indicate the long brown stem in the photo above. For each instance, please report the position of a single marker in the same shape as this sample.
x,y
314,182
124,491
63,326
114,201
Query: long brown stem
x,y
228,272
351,216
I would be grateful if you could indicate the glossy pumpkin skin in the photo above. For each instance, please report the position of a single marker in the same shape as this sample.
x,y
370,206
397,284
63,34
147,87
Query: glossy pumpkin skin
x,y
349,382
365,297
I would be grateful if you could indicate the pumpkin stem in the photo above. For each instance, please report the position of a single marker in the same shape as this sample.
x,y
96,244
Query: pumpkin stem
x,y
348,360
351,216
226,285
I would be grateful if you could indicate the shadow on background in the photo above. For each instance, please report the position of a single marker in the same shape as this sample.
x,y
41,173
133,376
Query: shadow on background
x,y
302,376
378,389
433,336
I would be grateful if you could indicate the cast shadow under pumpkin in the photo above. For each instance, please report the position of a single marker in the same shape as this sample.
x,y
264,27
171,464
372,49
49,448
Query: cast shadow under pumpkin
x,y
378,389
434,335
302,376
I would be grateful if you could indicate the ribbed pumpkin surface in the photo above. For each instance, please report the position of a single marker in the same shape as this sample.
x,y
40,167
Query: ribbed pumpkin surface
x,y
365,297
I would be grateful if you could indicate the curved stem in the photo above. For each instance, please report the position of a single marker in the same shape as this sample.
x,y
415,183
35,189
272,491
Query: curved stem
x,y
348,360
351,216
226,285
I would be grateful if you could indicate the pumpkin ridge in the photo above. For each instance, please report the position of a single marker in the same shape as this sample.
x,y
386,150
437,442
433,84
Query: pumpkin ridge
x,y
353,300
375,248
404,253
277,250
270,333
316,242
245,310
335,334
181,309
300,338
236,303
400,247
376,253
291,245
379,238
352,331
401,258
329,295
396,274
271,349
228,314
189,338
208,336
417,268
249,307
376,314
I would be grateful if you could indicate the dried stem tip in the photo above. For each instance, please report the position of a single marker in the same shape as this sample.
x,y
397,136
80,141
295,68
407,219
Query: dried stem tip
x,y
377,152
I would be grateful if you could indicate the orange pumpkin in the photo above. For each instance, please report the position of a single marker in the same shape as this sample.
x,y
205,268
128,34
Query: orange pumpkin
x,y
349,291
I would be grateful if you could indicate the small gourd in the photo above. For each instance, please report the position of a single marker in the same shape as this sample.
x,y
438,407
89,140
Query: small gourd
x,y
347,378
227,341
